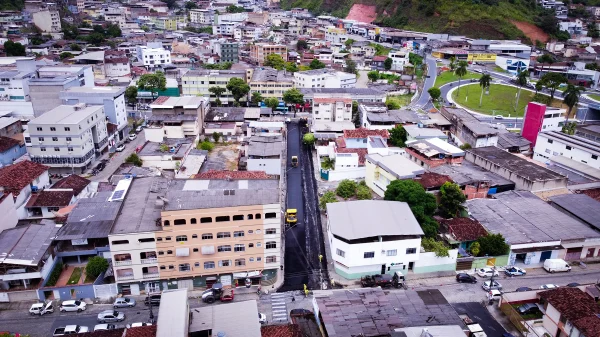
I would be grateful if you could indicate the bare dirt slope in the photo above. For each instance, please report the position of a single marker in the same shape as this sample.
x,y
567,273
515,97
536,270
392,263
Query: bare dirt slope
x,y
362,13
532,31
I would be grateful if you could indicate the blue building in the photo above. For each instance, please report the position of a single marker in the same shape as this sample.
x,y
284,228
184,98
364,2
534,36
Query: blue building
x,y
10,150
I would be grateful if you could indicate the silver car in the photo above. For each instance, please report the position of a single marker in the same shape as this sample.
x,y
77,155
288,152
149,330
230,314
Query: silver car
x,y
124,302
111,316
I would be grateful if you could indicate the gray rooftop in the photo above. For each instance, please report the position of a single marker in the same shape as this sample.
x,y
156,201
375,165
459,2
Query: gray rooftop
x,y
180,145
206,72
417,132
91,218
92,91
367,218
510,139
521,217
480,129
467,173
397,165
352,91
265,146
395,116
225,114
218,318
26,245
270,75
580,206
67,114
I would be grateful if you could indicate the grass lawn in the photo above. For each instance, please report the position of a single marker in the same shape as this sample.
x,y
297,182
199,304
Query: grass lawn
x,y
449,76
501,100
499,70
402,100
594,97
75,276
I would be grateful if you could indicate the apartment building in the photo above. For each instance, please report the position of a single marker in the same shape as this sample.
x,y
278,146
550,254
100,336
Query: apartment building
x,y
557,144
270,82
466,129
228,51
48,21
260,51
116,64
83,73
399,59
176,117
202,16
225,28
153,55
332,109
68,137
44,92
197,82
324,78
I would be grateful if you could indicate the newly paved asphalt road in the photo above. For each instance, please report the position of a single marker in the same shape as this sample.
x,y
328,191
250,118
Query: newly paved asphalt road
x,y
424,100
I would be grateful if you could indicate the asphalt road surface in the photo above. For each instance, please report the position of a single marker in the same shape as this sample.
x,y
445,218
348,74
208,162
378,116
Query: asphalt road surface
x,y
424,99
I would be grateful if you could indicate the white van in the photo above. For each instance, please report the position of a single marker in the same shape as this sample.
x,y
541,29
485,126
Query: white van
x,y
554,265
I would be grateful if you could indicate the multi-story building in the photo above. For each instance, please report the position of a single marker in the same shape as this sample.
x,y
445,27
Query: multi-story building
x,y
225,28
399,59
538,117
569,312
197,82
83,73
555,143
382,170
44,92
116,64
48,21
368,237
202,16
176,117
260,51
169,23
67,137
336,35
324,78
466,129
228,51
270,82
153,55
332,109
114,15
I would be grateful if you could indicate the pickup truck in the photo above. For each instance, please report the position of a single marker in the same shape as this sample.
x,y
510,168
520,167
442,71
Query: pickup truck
x,y
70,330
397,280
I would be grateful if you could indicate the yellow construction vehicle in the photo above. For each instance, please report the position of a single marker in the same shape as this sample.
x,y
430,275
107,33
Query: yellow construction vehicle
x,y
290,215
294,161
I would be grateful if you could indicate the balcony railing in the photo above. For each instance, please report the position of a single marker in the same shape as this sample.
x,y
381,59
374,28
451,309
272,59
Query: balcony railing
x,y
149,260
150,275
124,277
123,263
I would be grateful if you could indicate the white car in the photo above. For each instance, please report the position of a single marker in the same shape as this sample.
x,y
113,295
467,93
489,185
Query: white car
x,y
138,129
132,136
41,308
120,148
487,272
72,305
262,318
498,117
494,295
514,271
548,286
102,327
487,285
138,324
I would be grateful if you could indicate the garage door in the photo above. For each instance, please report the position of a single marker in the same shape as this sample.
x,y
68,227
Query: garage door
x,y
185,284
573,254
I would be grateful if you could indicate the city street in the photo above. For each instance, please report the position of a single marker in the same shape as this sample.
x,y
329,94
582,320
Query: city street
x,y
424,99
117,159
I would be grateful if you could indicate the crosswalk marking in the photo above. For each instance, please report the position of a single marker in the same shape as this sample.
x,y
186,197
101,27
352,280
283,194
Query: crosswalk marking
x,y
279,307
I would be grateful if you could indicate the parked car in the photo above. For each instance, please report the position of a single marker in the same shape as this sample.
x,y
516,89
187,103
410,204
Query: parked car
x,y
70,330
101,166
520,289
465,278
514,271
487,272
120,148
554,265
41,308
494,295
153,298
528,308
138,324
573,284
262,318
72,305
124,302
103,327
138,129
498,117
132,136
548,286
488,285
111,316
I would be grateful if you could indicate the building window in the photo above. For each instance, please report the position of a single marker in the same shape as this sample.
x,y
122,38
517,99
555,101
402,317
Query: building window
x,y
238,234
568,147
270,231
238,217
43,149
120,242
240,262
160,252
594,156
225,263
70,149
171,266
207,236
250,245
257,216
169,252
271,259
239,248
222,235
250,231
167,238
193,221
340,252
184,267
271,215
55,139
196,264
271,245
39,129
392,252
411,250
159,239
250,216
195,250
181,238
146,240
258,231
209,265
166,223
67,129
226,248
56,149
251,259
163,267
550,141
205,220
179,222
369,255
222,218
194,236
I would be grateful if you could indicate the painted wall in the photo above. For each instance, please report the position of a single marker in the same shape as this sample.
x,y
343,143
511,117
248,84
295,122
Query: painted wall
x,y
350,173
8,213
270,166
428,262
8,157
500,261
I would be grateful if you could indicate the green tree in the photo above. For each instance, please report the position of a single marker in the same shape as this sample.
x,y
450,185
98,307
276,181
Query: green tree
x,y
65,55
235,9
316,64
438,247
216,136
484,83
373,75
301,45
272,103
392,104
96,266
14,48
592,66
163,148
327,198
539,85
134,159
355,114
465,146
493,245
475,248
113,30
545,58
435,93
387,64
275,61
238,88
398,136
257,98
461,70
350,67
292,67
346,189
569,128
96,38
293,96
154,83
206,146
421,203
190,5
363,193
131,95
521,81
571,98
451,199
75,47
349,43
452,63
552,81
217,91
308,139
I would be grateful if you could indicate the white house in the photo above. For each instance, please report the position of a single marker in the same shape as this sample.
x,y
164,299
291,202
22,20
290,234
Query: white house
x,y
372,237
324,78
153,55
399,59
555,143
21,179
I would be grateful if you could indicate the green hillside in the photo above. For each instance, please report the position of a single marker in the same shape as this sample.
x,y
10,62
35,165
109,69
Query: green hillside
x,y
474,18
11,5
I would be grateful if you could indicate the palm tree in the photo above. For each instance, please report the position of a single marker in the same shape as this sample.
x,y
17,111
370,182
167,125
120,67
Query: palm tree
x,y
571,98
452,63
461,70
484,82
521,81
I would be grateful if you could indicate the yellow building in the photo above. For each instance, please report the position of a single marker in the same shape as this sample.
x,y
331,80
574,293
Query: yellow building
x,y
380,170
481,56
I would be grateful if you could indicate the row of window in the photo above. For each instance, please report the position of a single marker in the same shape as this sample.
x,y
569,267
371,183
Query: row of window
x,y
227,248
370,255
222,218
205,236
53,128
222,263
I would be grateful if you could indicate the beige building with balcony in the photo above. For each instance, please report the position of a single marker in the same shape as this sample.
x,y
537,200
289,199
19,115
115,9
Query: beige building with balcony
x,y
260,51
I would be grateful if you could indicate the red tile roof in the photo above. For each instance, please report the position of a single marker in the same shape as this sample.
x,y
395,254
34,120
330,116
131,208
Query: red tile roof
x,y
362,153
235,175
16,177
464,229
577,307
592,193
379,58
74,182
340,142
364,133
50,198
7,143
161,100
432,180
290,330
142,331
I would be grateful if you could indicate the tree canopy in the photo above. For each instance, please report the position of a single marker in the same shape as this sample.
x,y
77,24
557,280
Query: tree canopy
x,y
95,266
238,88
373,75
493,245
316,64
327,198
398,136
293,96
153,82
131,94
272,103
387,64
346,188
14,48
451,199
421,203
435,93
275,61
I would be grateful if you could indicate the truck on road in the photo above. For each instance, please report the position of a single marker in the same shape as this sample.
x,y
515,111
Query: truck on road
x,y
70,330
397,280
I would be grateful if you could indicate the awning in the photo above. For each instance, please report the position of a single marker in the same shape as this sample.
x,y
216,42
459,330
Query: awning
x,y
182,252
208,250
250,274
535,249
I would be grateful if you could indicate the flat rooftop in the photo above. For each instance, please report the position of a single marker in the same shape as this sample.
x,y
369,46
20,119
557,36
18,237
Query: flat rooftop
x,y
91,218
218,318
185,102
434,146
181,146
173,314
265,146
522,217
26,245
397,165
418,132
575,141
580,206
468,172
67,114
84,91
271,75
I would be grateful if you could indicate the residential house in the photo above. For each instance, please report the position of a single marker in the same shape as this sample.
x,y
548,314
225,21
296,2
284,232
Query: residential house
x,y
461,232
165,155
399,59
11,127
79,185
433,152
332,110
382,170
569,312
417,132
372,237
22,179
270,83
10,150
466,129
474,181
176,117
376,116
264,153
378,62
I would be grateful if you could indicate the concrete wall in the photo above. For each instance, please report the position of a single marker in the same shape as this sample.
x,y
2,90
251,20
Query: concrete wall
x,y
8,213
270,166
154,134
500,261
20,296
351,173
428,262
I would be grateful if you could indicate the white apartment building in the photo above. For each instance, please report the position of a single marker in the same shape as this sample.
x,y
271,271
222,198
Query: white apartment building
x,y
153,55
332,109
197,82
554,143
399,59
225,28
335,35
67,136
48,21
83,73
324,78
202,16
372,237
115,15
